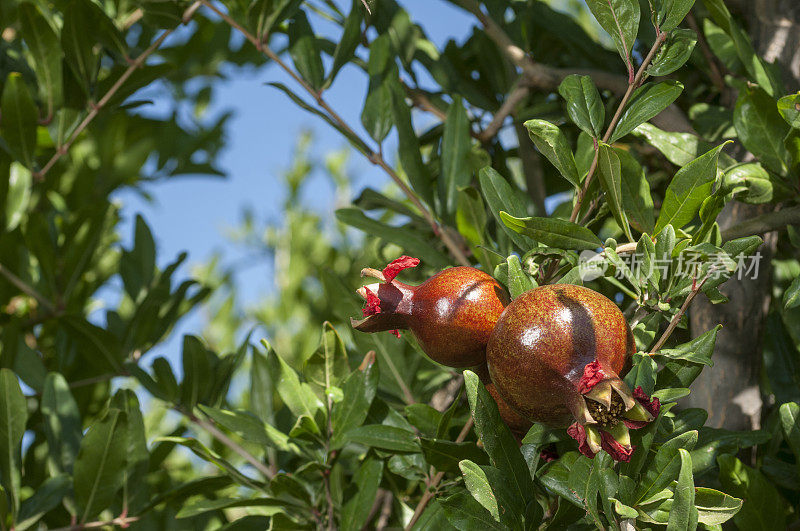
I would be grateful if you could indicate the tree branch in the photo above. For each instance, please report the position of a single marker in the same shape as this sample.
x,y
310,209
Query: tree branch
x,y
373,156
27,289
764,223
120,521
434,482
96,108
519,93
677,318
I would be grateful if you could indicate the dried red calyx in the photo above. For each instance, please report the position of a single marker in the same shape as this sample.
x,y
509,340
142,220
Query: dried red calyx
x,y
387,275
606,411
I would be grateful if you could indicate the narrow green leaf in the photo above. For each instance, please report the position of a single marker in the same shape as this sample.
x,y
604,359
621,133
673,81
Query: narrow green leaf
x,y
13,417
611,181
620,19
62,426
674,53
688,189
20,116
366,480
715,507
554,232
672,13
791,297
761,129
377,116
584,105
664,468
679,148
347,44
518,281
698,350
408,145
465,514
497,439
384,437
446,455
645,103
46,51
456,145
78,44
552,143
358,392
304,50
790,420
47,496
478,485
297,396
500,196
199,506
636,199
18,195
250,428
683,514
99,469
789,108
327,366
763,507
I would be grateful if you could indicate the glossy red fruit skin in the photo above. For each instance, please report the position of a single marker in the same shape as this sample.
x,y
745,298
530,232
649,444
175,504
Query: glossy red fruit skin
x,y
452,314
518,424
542,342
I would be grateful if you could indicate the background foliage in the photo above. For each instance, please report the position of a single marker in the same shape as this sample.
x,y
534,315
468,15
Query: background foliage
x,y
557,128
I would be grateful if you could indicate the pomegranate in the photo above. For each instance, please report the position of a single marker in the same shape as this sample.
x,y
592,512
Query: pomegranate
x,y
452,314
556,355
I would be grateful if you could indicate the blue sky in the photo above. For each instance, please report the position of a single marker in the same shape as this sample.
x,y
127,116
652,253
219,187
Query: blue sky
x,y
193,214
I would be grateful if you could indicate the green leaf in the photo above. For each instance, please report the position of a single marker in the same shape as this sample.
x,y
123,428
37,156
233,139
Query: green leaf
x,y
446,455
349,41
761,128
365,482
304,51
500,196
551,142
584,105
698,350
99,469
384,437
466,514
327,366
636,199
790,420
620,19
688,189
683,514
358,392
13,417
47,496
20,117
297,396
679,148
407,238
789,109
456,144
763,507
674,52
681,373
265,15
791,297
199,506
201,451
78,44
715,507
44,45
554,232
471,216
478,485
137,460
664,468
611,181
250,428
377,116
408,145
518,281
646,102
18,196
672,12
62,426
497,439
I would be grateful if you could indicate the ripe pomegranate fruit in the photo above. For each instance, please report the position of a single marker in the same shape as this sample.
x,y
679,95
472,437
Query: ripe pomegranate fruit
x,y
452,314
556,355
518,424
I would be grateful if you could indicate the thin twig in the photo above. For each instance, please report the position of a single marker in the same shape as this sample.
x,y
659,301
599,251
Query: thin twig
x,y
617,115
27,289
434,482
96,108
676,319
121,521
230,443
519,93
373,156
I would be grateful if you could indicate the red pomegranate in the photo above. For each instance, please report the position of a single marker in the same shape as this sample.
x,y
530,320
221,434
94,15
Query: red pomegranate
x,y
452,314
556,355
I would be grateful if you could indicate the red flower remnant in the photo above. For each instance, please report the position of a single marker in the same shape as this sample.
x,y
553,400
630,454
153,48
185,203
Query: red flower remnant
x,y
593,374
397,265
548,454
614,448
652,406
395,332
578,432
373,305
